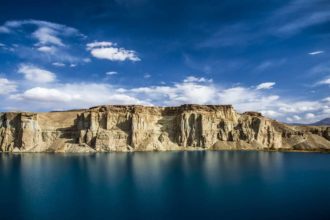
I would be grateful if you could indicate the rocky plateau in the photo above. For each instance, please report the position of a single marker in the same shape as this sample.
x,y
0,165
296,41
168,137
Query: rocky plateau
x,y
144,128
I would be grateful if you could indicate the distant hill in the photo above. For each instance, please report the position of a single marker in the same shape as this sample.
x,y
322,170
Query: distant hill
x,y
325,121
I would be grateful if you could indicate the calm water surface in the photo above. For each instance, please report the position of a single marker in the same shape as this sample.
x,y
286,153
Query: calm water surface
x,y
175,185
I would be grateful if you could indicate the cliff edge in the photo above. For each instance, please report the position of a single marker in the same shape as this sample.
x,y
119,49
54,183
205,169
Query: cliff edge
x,y
144,128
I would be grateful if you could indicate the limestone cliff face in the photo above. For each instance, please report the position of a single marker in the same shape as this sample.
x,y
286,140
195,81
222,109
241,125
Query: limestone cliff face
x,y
141,128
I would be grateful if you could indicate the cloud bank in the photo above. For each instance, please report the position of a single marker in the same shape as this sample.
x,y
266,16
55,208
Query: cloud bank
x,y
197,90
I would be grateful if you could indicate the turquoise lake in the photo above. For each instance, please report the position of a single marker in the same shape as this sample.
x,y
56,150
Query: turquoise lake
x,y
165,185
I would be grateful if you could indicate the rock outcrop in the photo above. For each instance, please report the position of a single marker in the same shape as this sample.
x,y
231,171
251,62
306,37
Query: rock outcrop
x,y
142,128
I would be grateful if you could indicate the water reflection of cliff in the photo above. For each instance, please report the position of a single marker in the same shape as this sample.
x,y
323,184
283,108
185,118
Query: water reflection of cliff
x,y
144,182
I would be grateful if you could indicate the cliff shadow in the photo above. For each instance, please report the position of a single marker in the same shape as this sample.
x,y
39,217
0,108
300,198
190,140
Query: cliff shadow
x,y
71,134
169,125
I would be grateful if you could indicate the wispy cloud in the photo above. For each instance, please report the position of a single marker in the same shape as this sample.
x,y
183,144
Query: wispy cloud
x,y
316,52
324,82
65,30
303,22
285,22
146,76
111,73
265,85
46,35
47,49
7,86
269,64
58,64
36,74
4,29
52,41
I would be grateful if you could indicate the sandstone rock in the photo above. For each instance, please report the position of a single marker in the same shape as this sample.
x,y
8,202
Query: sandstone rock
x,y
142,128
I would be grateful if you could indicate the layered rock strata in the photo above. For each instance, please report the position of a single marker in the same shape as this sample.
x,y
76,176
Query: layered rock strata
x,y
142,128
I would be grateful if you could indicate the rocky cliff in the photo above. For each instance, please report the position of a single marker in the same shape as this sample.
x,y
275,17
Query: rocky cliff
x,y
141,128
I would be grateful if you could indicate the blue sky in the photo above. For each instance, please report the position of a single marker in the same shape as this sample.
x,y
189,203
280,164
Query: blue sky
x,y
269,56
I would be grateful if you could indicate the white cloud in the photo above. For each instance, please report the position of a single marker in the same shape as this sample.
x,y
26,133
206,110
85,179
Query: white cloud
x,y
46,95
4,29
271,113
288,119
49,38
326,112
110,73
72,95
265,85
324,82
7,86
179,93
196,79
246,99
309,116
109,51
46,35
327,99
197,90
36,74
300,106
316,52
114,54
47,49
87,60
46,32
58,64
296,117
147,76
65,30
47,55
91,46
237,95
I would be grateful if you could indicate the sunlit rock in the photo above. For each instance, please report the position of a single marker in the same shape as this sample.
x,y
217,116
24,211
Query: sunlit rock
x,y
145,128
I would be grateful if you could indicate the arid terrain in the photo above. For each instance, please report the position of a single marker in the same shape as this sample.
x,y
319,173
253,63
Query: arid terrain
x,y
142,128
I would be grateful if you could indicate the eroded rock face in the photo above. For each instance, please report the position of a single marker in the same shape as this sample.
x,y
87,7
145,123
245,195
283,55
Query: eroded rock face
x,y
141,128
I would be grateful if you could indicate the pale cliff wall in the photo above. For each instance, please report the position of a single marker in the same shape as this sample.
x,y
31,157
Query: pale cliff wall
x,y
140,128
